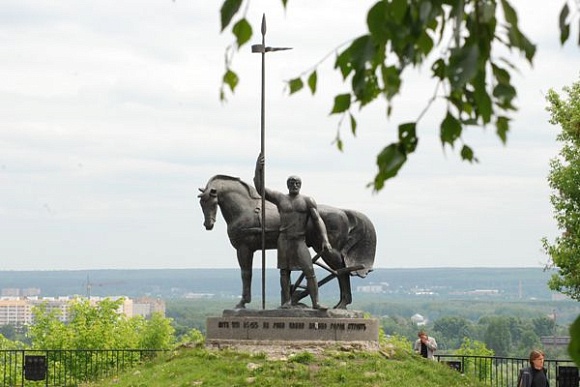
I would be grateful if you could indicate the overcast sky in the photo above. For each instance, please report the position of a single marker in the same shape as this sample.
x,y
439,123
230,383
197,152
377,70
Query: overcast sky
x,y
111,121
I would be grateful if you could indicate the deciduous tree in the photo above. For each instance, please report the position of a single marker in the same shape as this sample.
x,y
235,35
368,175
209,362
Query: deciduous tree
x,y
457,39
564,179
99,326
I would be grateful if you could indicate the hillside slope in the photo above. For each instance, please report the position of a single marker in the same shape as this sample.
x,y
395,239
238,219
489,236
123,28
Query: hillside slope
x,y
333,366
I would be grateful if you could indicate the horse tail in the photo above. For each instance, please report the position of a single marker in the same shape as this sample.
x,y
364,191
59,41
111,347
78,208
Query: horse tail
x,y
360,248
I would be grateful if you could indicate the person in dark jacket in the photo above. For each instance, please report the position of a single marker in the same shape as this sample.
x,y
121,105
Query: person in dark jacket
x,y
534,375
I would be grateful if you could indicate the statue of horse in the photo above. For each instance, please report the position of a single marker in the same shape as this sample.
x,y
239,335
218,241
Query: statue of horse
x,y
351,233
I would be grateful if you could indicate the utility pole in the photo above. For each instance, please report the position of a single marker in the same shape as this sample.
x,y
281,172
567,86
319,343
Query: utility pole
x,y
263,49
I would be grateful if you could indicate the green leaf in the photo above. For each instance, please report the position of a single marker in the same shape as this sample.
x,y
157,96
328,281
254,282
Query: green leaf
x,y
243,32
408,136
295,85
391,81
529,48
564,27
574,346
228,10
467,154
482,99
519,40
231,79
503,127
450,129
425,43
504,94
502,76
364,86
389,161
361,51
398,9
510,14
564,33
462,65
352,125
339,144
377,22
284,3
312,80
343,63
341,103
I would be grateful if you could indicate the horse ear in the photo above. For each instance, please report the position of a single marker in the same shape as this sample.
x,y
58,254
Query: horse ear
x,y
213,192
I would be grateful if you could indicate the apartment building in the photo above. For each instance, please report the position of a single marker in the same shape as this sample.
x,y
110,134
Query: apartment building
x,y
146,306
18,310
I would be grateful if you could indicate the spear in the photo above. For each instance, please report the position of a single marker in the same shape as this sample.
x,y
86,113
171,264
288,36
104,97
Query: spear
x,y
263,49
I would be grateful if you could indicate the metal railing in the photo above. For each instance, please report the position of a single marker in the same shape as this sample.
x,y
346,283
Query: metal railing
x,y
24,367
498,371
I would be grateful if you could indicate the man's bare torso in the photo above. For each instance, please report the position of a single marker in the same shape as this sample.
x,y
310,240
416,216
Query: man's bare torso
x,y
294,212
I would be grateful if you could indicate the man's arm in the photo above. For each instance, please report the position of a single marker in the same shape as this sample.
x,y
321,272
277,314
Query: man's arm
x,y
417,345
259,183
317,219
431,344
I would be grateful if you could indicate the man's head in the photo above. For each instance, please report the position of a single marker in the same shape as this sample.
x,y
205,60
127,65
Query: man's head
x,y
294,184
422,335
537,359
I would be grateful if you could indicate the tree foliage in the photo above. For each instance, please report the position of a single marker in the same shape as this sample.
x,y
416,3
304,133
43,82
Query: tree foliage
x,y
98,326
564,179
498,336
482,369
458,39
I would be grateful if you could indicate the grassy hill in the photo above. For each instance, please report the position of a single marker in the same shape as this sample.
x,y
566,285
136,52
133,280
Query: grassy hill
x,y
332,366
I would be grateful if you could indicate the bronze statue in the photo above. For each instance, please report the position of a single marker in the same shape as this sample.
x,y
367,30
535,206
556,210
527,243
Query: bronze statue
x,y
350,233
295,210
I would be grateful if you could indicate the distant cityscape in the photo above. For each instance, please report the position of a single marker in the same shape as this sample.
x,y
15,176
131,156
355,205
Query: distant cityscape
x,y
16,305
145,291
385,288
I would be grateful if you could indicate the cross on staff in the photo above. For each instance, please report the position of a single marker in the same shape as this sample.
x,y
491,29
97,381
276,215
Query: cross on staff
x,y
263,49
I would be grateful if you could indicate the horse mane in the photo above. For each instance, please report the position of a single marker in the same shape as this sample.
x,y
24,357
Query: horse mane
x,y
251,190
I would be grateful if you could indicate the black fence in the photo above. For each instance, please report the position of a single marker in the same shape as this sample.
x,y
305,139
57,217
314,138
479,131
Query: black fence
x,y
497,371
67,367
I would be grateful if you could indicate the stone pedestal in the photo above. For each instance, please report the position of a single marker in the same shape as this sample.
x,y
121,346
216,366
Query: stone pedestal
x,y
307,325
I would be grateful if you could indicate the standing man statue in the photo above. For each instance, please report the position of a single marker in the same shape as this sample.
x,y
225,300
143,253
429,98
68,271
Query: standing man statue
x,y
293,253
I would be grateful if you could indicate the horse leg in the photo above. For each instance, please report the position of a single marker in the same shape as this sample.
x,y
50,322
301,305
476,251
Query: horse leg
x,y
245,258
334,259
345,291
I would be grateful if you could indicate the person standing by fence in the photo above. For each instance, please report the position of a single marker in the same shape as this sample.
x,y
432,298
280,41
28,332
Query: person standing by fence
x,y
425,345
534,375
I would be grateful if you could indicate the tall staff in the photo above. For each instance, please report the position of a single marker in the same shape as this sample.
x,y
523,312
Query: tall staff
x,y
262,49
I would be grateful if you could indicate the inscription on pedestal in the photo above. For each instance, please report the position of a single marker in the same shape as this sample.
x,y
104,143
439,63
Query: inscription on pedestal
x,y
297,328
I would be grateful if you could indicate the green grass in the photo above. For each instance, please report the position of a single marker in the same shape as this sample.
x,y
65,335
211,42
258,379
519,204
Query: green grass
x,y
203,367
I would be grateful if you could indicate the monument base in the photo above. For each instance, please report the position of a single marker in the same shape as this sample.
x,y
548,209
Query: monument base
x,y
286,325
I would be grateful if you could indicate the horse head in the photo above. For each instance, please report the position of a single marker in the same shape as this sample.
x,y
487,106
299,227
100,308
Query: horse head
x,y
235,199
208,201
